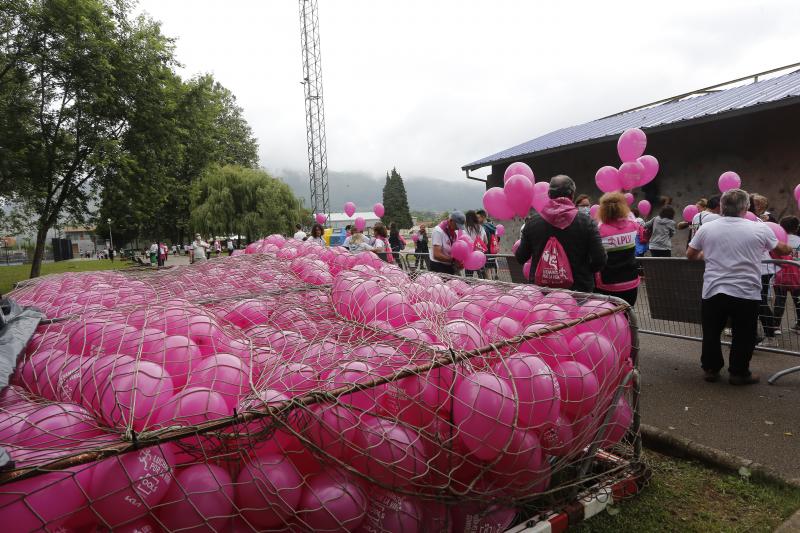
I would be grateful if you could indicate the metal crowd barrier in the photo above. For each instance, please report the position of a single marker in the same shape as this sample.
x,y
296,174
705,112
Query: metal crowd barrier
x,y
669,299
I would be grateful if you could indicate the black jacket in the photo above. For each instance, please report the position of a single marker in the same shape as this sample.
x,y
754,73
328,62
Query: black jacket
x,y
580,240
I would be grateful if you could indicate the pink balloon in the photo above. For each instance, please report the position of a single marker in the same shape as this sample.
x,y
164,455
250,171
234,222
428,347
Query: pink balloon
x,y
483,410
540,197
390,511
349,208
608,179
200,498
464,335
778,230
644,208
389,452
535,386
650,165
520,467
378,210
501,328
332,501
593,210
750,216
631,144
629,174
526,269
519,194
797,192
515,246
729,180
689,212
320,218
45,500
596,353
475,261
621,420
268,490
223,373
333,428
134,394
127,487
500,230
194,405
629,198
460,250
518,168
476,517
496,204
57,425
578,385
360,223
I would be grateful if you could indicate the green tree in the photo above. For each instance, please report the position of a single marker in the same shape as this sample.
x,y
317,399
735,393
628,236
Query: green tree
x,y
395,201
197,125
235,200
76,70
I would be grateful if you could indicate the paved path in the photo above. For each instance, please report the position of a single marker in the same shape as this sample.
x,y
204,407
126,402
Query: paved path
x,y
759,422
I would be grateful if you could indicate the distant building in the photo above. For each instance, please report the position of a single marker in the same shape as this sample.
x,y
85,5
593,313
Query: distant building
x,y
340,220
83,239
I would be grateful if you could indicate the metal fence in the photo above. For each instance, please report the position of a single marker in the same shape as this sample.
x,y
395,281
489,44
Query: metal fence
x,y
669,301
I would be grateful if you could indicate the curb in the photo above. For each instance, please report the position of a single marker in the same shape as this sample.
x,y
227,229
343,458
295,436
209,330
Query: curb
x,y
683,448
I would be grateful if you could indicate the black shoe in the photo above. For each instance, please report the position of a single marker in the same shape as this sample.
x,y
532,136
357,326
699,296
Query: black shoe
x,y
712,376
752,379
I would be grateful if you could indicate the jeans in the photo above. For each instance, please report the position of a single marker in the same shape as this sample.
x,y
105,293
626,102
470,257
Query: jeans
x,y
442,268
780,302
715,312
765,313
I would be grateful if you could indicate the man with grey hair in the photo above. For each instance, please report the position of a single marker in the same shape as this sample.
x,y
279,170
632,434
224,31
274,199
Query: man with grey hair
x,y
575,232
732,247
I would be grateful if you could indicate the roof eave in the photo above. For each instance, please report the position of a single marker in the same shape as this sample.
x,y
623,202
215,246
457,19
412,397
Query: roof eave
x,y
654,129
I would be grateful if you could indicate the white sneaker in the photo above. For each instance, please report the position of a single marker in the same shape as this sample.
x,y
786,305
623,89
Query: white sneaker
x,y
778,332
727,332
768,342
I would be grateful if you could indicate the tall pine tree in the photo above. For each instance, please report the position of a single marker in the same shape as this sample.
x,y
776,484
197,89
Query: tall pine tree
x,y
395,201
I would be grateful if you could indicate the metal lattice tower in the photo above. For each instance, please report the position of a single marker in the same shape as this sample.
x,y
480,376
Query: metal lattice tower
x,y
315,109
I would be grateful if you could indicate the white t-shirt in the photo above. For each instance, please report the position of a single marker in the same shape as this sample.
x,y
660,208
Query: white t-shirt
x,y
439,238
794,242
703,217
473,235
300,235
200,249
733,248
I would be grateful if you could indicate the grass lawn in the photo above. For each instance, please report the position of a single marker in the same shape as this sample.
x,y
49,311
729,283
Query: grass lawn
x,y
684,496
9,275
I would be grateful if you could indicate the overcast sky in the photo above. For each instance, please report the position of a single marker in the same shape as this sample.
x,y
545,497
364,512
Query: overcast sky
x,y
429,85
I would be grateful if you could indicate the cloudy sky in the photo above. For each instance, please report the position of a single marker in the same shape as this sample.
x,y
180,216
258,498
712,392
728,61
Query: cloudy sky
x,y
429,85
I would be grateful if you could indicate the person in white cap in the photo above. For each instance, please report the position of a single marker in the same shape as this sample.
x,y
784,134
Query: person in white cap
x,y
199,246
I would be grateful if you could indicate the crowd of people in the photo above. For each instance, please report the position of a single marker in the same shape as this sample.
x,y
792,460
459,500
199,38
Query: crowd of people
x,y
567,249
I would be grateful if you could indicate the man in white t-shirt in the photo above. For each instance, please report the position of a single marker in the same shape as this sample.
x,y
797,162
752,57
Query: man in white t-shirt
x,y
299,234
442,238
732,247
199,247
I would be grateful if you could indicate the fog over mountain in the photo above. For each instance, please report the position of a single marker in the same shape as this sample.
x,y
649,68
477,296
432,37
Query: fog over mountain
x,y
424,194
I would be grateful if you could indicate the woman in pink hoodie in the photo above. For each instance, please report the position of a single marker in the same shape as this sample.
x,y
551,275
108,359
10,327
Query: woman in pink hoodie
x,y
618,230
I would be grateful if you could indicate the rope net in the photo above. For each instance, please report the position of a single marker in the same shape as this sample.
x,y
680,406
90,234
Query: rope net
x,y
303,388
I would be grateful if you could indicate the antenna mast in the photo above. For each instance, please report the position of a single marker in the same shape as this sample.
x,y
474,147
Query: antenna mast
x,y
315,110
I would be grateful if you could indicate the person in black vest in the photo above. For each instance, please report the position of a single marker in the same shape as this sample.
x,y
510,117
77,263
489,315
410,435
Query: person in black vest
x,y
576,232
421,247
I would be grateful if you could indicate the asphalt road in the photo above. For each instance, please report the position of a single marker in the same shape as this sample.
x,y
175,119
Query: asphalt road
x,y
758,422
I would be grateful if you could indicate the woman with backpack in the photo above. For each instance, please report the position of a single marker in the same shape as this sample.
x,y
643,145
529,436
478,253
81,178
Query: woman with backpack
x,y
787,280
620,276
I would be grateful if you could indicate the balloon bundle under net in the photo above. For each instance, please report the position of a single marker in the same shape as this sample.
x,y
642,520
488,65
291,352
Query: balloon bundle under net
x,y
296,387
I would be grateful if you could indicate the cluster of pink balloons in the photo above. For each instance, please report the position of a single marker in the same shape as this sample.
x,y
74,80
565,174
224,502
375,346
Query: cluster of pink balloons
x,y
636,169
519,193
487,426
463,251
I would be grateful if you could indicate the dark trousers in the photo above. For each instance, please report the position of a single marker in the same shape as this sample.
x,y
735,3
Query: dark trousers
x,y
715,313
442,268
765,313
660,253
780,302
629,296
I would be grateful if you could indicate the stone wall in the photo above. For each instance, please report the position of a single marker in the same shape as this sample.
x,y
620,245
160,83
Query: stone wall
x,y
761,147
